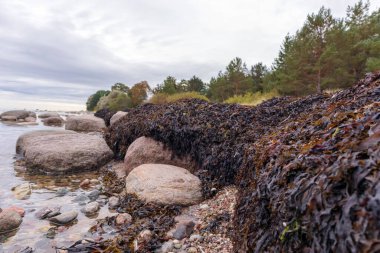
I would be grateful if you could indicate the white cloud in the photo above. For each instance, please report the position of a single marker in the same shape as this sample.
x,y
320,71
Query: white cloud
x,y
79,47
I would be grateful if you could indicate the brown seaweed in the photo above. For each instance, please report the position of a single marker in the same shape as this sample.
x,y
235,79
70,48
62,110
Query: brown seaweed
x,y
307,169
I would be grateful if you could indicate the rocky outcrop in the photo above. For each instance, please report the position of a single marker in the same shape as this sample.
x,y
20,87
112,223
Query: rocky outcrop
x,y
62,151
164,184
117,116
46,115
9,220
146,150
53,121
16,115
85,123
28,138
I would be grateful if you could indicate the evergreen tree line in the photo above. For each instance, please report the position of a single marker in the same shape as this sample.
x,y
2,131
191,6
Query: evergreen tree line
x,y
327,53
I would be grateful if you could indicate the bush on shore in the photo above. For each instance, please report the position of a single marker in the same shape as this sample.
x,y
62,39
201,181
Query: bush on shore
x,y
162,98
250,98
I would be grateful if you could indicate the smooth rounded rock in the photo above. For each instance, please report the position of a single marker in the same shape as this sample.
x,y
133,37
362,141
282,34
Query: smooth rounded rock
x,y
85,123
123,218
91,208
164,184
117,116
9,220
64,218
63,152
29,138
113,202
146,150
22,191
53,121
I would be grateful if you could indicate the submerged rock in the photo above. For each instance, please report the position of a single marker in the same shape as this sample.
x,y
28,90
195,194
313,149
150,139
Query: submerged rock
x,y
64,218
9,220
61,151
22,191
164,184
47,212
146,150
85,123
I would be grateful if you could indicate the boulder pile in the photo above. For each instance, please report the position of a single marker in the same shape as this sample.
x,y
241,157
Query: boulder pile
x,y
18,116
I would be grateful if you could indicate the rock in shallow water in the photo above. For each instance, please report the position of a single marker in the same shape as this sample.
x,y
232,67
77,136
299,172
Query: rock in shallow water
x,y
64,218
47,212
91,208
9,220
22,191
61,151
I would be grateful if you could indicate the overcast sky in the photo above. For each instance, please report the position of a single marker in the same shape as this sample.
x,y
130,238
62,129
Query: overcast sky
x,y
54,54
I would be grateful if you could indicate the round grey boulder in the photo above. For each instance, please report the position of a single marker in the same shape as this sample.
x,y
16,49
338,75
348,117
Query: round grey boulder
x,y
117,116
164,184
63,152
85,123
9,220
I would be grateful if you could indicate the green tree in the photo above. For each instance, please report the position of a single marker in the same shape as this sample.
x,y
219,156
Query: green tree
x,y
93,100
120,87
169,86
196,84
258,73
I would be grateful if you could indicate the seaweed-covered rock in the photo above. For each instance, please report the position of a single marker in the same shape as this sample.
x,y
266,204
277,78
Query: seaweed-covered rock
x,y
85,123
306,168
105,114
146,150
164,184
117,116
61,151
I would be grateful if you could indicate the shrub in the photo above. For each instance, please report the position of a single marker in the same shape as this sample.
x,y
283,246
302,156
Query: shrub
x,y
115,101
162,98
250,98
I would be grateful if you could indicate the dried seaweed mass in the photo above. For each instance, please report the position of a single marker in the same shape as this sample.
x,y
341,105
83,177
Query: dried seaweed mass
x,y
307,169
